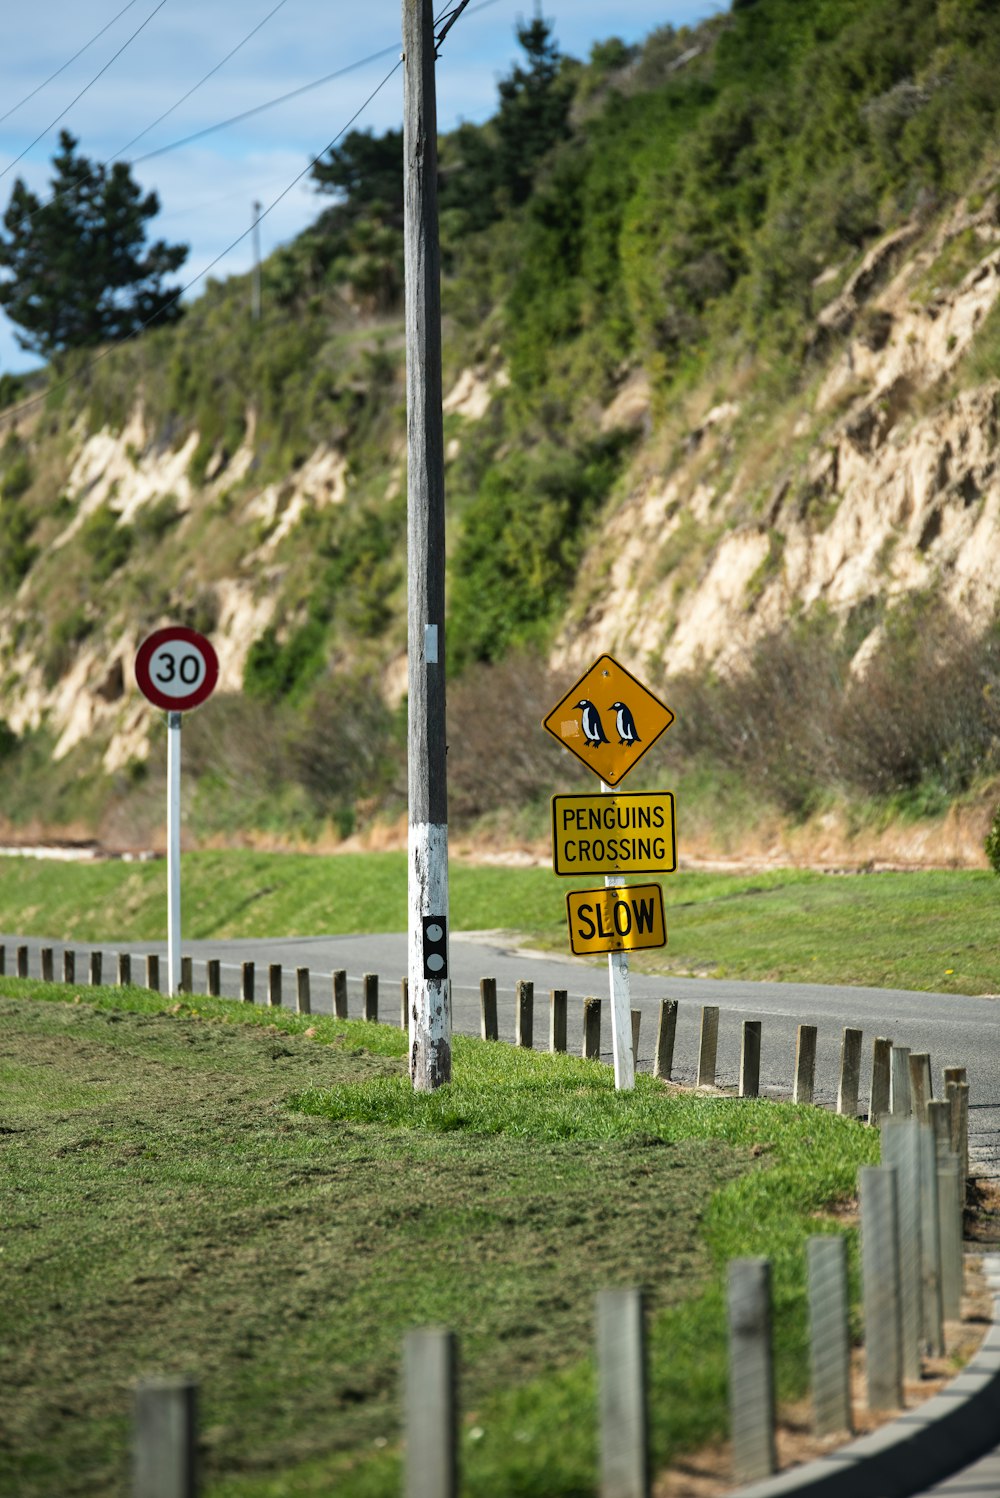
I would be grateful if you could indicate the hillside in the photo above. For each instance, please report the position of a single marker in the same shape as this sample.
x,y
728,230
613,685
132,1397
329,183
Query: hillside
x,y
722,374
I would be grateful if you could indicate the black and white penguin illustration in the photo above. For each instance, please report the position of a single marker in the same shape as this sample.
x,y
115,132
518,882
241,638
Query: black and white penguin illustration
x,y
590,721
626,724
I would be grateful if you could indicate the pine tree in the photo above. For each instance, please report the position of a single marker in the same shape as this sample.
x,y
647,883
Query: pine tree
x,y
534,109
79,272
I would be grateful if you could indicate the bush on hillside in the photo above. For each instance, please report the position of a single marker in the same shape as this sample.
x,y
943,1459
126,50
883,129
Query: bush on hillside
x,y
992,844
917,723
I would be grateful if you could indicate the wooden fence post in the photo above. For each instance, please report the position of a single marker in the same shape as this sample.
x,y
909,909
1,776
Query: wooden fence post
x,y
850,1072
621,1373
340,994
488,1028
900,1100
880,1276
404,1004
153,972
950,1201
751,1370
22,962
248,983
879,1101
96,964
939,1118
524,1014
69,966
666,1034
636,1026
708,1045
960,1129
829,1333
3,958
47,964
921,1086
930,1244
274,984
805,1064
303,992
187,975
431,1421
124,969
592,1029
213,971
369,997
558,999
165,1439
900,1148
750,1059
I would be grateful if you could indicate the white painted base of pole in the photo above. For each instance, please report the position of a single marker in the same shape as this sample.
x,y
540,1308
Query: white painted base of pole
x,y
173,852
620,990
429,998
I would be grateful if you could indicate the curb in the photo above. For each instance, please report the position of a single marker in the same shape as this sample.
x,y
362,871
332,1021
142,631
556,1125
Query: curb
x,y
923,1446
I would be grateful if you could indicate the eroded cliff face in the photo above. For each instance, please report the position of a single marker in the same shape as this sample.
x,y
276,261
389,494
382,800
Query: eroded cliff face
x,y
883,480
131,473
880,480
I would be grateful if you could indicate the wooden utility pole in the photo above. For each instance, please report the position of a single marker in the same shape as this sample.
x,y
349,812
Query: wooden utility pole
x,y
255,280
429,987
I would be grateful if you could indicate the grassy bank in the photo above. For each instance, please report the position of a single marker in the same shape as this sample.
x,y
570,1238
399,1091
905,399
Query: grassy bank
x,y
259,1200
936,930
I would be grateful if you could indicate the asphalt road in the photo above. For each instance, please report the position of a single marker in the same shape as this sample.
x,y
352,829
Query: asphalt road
x,y
956,1031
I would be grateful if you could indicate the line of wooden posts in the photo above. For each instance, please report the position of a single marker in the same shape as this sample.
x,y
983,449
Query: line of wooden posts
x,y
911,1235
900,1081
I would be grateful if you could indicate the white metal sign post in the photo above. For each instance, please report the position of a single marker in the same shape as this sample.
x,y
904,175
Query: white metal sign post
x,y
620,992
176,669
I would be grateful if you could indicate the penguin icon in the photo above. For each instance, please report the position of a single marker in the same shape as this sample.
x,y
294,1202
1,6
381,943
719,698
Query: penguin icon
x,y
626,724
590,721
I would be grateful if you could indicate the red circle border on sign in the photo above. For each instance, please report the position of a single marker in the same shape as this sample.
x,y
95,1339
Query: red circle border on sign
x,y
144,679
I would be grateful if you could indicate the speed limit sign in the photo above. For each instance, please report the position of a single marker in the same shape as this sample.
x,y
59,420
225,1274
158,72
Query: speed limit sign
x,y
176,668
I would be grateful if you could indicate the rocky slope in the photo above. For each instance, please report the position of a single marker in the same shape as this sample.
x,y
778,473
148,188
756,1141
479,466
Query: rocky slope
x,y
880,480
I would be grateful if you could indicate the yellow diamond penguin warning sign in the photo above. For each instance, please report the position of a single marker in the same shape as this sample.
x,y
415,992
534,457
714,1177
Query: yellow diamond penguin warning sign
x,y
622,918
608,720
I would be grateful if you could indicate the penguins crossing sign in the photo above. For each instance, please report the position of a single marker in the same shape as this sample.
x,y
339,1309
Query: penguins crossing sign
x,y
608,720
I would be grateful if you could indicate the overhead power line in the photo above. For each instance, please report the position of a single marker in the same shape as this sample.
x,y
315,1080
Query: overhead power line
x,y
247,114
210,74
305,88
52,124
53,76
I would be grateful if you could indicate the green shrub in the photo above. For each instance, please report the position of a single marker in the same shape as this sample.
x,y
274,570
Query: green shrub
x,y
992,844
106,541
16,552
275,670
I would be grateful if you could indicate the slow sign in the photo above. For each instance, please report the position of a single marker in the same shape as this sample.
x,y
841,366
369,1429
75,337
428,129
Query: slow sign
x,y
618,918
176,668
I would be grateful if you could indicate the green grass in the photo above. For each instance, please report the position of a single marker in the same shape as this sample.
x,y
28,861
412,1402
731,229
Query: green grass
x,y
259,1199
936,930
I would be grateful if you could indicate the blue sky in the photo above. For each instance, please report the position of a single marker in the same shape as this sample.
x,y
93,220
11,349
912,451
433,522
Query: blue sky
x,y
206,189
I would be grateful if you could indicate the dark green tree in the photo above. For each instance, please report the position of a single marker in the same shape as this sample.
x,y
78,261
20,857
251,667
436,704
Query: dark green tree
x,y
534,109
367,171
78,270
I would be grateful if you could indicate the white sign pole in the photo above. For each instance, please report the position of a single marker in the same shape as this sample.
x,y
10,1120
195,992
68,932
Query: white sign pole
x,y
173,852
621,1003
